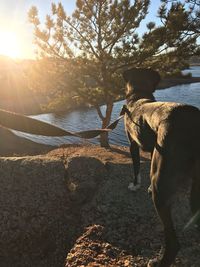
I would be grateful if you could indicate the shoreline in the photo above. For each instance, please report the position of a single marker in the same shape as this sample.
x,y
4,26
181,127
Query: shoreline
x,y
170,82
32,106
164,84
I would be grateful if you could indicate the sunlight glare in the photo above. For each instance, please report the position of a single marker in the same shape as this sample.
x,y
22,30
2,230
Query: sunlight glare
x,y
9,44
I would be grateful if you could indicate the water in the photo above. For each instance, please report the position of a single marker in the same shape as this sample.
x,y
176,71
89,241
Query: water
x,y
88,118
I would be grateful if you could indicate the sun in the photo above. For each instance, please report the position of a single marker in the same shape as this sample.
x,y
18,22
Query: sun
x,y
9,44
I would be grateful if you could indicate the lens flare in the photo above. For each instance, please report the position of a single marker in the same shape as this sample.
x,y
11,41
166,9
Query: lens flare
x,y
9,44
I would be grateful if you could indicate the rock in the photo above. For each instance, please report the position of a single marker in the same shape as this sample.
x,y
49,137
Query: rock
x,y
84,175
33,212
12,144
84,212
91,249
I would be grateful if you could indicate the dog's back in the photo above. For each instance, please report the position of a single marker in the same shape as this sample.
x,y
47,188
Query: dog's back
x,y
185,130
182,123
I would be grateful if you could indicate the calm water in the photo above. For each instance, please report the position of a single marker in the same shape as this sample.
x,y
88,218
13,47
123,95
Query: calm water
x,y
88,119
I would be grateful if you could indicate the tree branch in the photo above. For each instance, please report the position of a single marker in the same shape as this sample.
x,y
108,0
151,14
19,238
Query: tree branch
x,y
99,112
83,37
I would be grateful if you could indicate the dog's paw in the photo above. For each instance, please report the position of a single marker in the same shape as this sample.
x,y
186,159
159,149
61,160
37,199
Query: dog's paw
x,y
137,182
149,190
133,187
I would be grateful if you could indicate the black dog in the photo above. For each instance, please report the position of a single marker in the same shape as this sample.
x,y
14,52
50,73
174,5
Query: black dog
x,y
171,133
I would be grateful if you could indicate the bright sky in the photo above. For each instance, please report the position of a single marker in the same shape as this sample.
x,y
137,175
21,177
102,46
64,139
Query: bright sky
x,y
16,35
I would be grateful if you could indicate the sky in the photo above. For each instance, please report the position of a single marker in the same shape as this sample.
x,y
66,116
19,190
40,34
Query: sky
x,y
16,33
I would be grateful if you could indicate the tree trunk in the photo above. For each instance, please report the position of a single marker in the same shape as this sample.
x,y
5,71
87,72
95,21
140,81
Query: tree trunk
x,y
104,140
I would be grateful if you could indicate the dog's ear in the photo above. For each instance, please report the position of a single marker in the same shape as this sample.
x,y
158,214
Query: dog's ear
x,y
143,77
154,76
128,74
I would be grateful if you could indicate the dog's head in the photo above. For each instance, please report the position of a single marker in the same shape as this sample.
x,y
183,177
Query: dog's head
x,y
138,79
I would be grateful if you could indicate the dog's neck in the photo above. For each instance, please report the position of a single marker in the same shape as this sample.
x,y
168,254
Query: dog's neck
x,y
136,95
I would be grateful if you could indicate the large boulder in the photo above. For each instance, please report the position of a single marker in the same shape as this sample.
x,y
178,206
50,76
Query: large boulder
x,y
34,215
40,204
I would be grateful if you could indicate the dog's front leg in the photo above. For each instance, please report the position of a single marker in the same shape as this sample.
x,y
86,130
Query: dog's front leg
x,y
150,188
135,154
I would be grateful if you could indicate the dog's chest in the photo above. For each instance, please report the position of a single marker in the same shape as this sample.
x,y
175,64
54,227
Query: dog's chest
x,y
140,132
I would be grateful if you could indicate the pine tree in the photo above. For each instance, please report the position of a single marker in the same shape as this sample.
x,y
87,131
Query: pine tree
x,y
100,39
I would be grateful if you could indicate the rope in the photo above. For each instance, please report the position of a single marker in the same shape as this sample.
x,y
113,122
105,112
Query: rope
x,y
29,125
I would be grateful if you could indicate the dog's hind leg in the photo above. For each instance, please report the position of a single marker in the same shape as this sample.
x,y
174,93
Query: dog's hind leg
x,y
135,154
195,192
162,191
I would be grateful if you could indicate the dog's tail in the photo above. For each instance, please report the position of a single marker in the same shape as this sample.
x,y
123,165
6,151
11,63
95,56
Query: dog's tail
x,y
195,193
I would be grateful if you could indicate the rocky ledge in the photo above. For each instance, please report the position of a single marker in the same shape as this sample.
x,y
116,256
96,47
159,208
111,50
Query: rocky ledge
x,y
71,207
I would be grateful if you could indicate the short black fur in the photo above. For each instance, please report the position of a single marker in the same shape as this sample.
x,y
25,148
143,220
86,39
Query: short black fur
x,y
171,133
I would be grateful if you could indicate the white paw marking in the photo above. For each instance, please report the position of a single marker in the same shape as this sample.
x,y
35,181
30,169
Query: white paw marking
x,y
149,189
133,187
